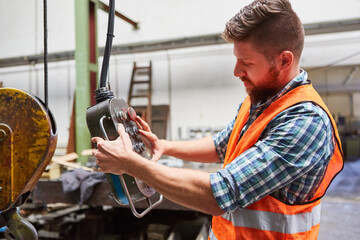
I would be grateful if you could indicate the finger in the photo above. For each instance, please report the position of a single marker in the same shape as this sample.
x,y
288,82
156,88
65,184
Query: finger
x,y
148,135
96,139
124,136
121,131
138,119
126,140
97,154
155,157
144,124
100,146
94,152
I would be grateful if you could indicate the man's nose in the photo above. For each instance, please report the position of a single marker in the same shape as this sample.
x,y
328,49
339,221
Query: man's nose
x,y
238,71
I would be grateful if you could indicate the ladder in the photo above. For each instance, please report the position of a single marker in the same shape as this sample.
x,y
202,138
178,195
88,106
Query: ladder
x,y
141,76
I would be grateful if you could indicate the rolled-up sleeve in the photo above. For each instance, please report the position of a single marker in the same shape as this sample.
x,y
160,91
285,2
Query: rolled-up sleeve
x,y
221,139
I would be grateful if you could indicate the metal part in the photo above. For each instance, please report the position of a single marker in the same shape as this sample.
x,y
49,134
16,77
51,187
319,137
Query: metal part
x,y
86,57
105,8
121,116
19,226
338,88
203,40
28,140
130,131
108,46
332,26
135,130
351,74
3,135
29,145
103,119
46,79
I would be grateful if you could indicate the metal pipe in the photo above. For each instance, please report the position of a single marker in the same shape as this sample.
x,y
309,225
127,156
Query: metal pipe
x,y
105,8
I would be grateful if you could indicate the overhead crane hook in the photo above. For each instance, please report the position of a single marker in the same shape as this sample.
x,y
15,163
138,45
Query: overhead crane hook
x,y
28,137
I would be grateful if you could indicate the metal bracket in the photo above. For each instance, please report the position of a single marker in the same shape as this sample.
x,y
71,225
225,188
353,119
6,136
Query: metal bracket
x,y
123,184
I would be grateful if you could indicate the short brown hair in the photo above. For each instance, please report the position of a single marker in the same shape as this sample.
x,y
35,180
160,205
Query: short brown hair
x,y
271,25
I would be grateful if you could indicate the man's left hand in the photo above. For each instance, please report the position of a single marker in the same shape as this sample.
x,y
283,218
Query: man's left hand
x,y
114,156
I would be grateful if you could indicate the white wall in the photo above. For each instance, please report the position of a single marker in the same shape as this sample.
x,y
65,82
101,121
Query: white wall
x,y
203,91
21,24
356,102
196,82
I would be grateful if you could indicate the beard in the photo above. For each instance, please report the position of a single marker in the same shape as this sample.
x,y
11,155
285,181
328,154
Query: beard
x,y
261,94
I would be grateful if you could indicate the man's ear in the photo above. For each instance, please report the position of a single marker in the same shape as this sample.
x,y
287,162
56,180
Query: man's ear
x,y
286,60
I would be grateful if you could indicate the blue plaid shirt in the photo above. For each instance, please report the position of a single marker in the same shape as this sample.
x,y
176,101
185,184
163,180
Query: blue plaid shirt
x,y
288,162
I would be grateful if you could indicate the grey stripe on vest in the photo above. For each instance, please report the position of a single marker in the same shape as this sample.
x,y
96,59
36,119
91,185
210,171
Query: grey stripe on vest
x,y
277,222
211,235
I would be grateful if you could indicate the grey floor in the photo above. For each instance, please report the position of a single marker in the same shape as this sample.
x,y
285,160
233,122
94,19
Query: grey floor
x,y
340,214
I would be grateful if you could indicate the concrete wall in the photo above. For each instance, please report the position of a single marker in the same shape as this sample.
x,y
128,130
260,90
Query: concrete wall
x,y
197,83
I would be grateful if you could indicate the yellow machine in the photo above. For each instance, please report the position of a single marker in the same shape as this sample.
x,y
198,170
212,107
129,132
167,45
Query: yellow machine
x,y
28,139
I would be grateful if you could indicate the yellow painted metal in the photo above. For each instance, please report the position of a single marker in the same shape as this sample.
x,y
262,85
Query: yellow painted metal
x,y
27,143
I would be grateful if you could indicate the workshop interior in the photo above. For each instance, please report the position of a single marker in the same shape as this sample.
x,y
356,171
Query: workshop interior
x,y
71,70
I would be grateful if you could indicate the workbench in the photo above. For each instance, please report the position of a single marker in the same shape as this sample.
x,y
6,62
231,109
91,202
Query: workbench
x,y
51,191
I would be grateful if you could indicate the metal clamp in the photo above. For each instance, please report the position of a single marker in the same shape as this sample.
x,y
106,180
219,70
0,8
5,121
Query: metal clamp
x,y
123,184
3,135
132,207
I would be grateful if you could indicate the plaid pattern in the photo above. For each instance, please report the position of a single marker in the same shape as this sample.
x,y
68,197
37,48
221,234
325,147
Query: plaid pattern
x,y
288,162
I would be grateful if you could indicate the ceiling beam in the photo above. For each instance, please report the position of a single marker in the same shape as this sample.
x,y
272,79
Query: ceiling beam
x,y
332,27
338,88
211,39
105,8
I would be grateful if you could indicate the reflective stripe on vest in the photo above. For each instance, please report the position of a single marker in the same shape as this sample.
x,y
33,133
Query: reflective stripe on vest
x,y
268,218
276,222
211,235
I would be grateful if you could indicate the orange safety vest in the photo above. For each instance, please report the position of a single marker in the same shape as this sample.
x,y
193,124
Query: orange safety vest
x,y
269,218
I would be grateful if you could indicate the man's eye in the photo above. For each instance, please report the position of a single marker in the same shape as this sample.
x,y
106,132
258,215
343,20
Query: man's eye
x,y
246,64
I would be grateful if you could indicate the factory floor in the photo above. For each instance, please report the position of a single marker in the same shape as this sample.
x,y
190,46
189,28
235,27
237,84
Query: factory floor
x,y
340,216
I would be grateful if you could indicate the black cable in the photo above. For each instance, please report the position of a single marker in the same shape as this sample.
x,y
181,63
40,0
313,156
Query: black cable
x,y
108,45
45,57
335,62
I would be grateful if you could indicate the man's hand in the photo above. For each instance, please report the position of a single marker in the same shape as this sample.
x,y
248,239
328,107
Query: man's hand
x,y
114,156
184,186
153,143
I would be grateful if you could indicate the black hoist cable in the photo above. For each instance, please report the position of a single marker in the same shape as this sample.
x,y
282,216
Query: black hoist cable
x,y
108,45
45,57
103,93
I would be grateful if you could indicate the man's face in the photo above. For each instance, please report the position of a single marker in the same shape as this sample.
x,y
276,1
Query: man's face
x,y
258,74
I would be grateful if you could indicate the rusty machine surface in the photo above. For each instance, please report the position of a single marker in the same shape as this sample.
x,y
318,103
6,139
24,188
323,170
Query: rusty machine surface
x,y
28,139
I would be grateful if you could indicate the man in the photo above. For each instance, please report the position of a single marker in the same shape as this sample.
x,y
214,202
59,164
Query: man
x,y
280,153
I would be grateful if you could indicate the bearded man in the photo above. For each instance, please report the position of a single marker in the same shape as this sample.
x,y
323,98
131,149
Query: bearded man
x,y
280,152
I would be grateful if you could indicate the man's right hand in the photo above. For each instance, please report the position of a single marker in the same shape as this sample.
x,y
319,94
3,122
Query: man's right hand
x,y
157,150
200,150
